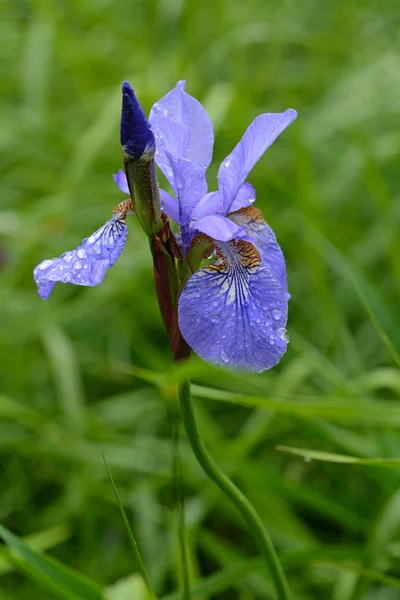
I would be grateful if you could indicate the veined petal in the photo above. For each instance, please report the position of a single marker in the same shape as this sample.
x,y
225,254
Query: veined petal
x,y
137,139
121,181
218,228
257,138
178,107
87,264
264,239
191,186
169,205
233,312
171,139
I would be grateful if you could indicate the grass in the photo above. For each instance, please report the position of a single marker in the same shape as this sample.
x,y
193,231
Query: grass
x,y
90,372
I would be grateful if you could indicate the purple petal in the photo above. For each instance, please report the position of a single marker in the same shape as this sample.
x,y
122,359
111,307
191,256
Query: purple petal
x,y
211,203
169,205
264,239
87,264
136,135
191,186
218,228
257,138
178,107
172,139
233,312
245,197
121,181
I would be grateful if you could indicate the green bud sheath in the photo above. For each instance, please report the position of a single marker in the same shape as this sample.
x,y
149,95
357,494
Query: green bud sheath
x,y
142,183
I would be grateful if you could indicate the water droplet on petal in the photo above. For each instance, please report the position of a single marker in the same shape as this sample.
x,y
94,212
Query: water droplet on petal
x,y
214,318
272,339
276,314
224,356
97,248
81,253
60,268
77,265
46,263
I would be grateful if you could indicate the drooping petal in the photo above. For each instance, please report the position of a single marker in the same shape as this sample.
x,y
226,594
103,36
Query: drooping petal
x,y
137,138
121,181
169,205
191,186
218,228
87,264
178,107
245,197
264,239
233,312
257,138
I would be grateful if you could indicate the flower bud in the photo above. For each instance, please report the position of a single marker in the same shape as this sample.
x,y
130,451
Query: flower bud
x,y
139,146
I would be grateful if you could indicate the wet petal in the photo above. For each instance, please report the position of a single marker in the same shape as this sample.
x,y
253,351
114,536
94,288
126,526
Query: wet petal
x,y
178,107
245,197
264,239
121,181
87,264
208,205
137,139
218,228
257,138
169,205
171,139
191,186
233,312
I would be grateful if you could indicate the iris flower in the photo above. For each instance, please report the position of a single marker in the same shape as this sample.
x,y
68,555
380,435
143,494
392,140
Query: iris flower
x,y
233,311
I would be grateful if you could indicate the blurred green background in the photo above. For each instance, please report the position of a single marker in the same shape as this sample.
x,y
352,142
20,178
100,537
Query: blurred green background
x,y
90,370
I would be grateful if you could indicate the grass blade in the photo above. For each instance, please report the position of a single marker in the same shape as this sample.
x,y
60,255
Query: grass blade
x,y
135,548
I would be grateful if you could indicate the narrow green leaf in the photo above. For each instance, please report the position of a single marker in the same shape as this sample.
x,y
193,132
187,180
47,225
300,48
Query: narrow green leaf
x,y
309,454
368,573
135,548
63,580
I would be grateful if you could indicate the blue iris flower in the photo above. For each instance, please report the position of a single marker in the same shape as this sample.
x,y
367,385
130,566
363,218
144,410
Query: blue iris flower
x,y
233,311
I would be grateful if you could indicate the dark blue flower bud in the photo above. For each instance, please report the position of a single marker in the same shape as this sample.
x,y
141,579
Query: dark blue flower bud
x,y
137,138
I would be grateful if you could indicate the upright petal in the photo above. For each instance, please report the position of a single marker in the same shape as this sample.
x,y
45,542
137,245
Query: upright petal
x,y
121,181
257,138
87,264
169,205
191,186
137,139
264,239
233,312
178,107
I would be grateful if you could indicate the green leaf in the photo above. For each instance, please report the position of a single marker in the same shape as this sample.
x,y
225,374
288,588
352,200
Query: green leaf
x,y
135,547
129,588
309,454
50,573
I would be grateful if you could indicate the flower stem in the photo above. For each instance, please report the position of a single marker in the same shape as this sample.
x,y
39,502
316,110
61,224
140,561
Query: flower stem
x,y
246,509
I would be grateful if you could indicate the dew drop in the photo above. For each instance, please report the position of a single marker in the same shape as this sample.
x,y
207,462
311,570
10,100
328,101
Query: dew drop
x,y
81,253
272,339
276,314
97,248
214,318
77,265
224,356
46,263
60,268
